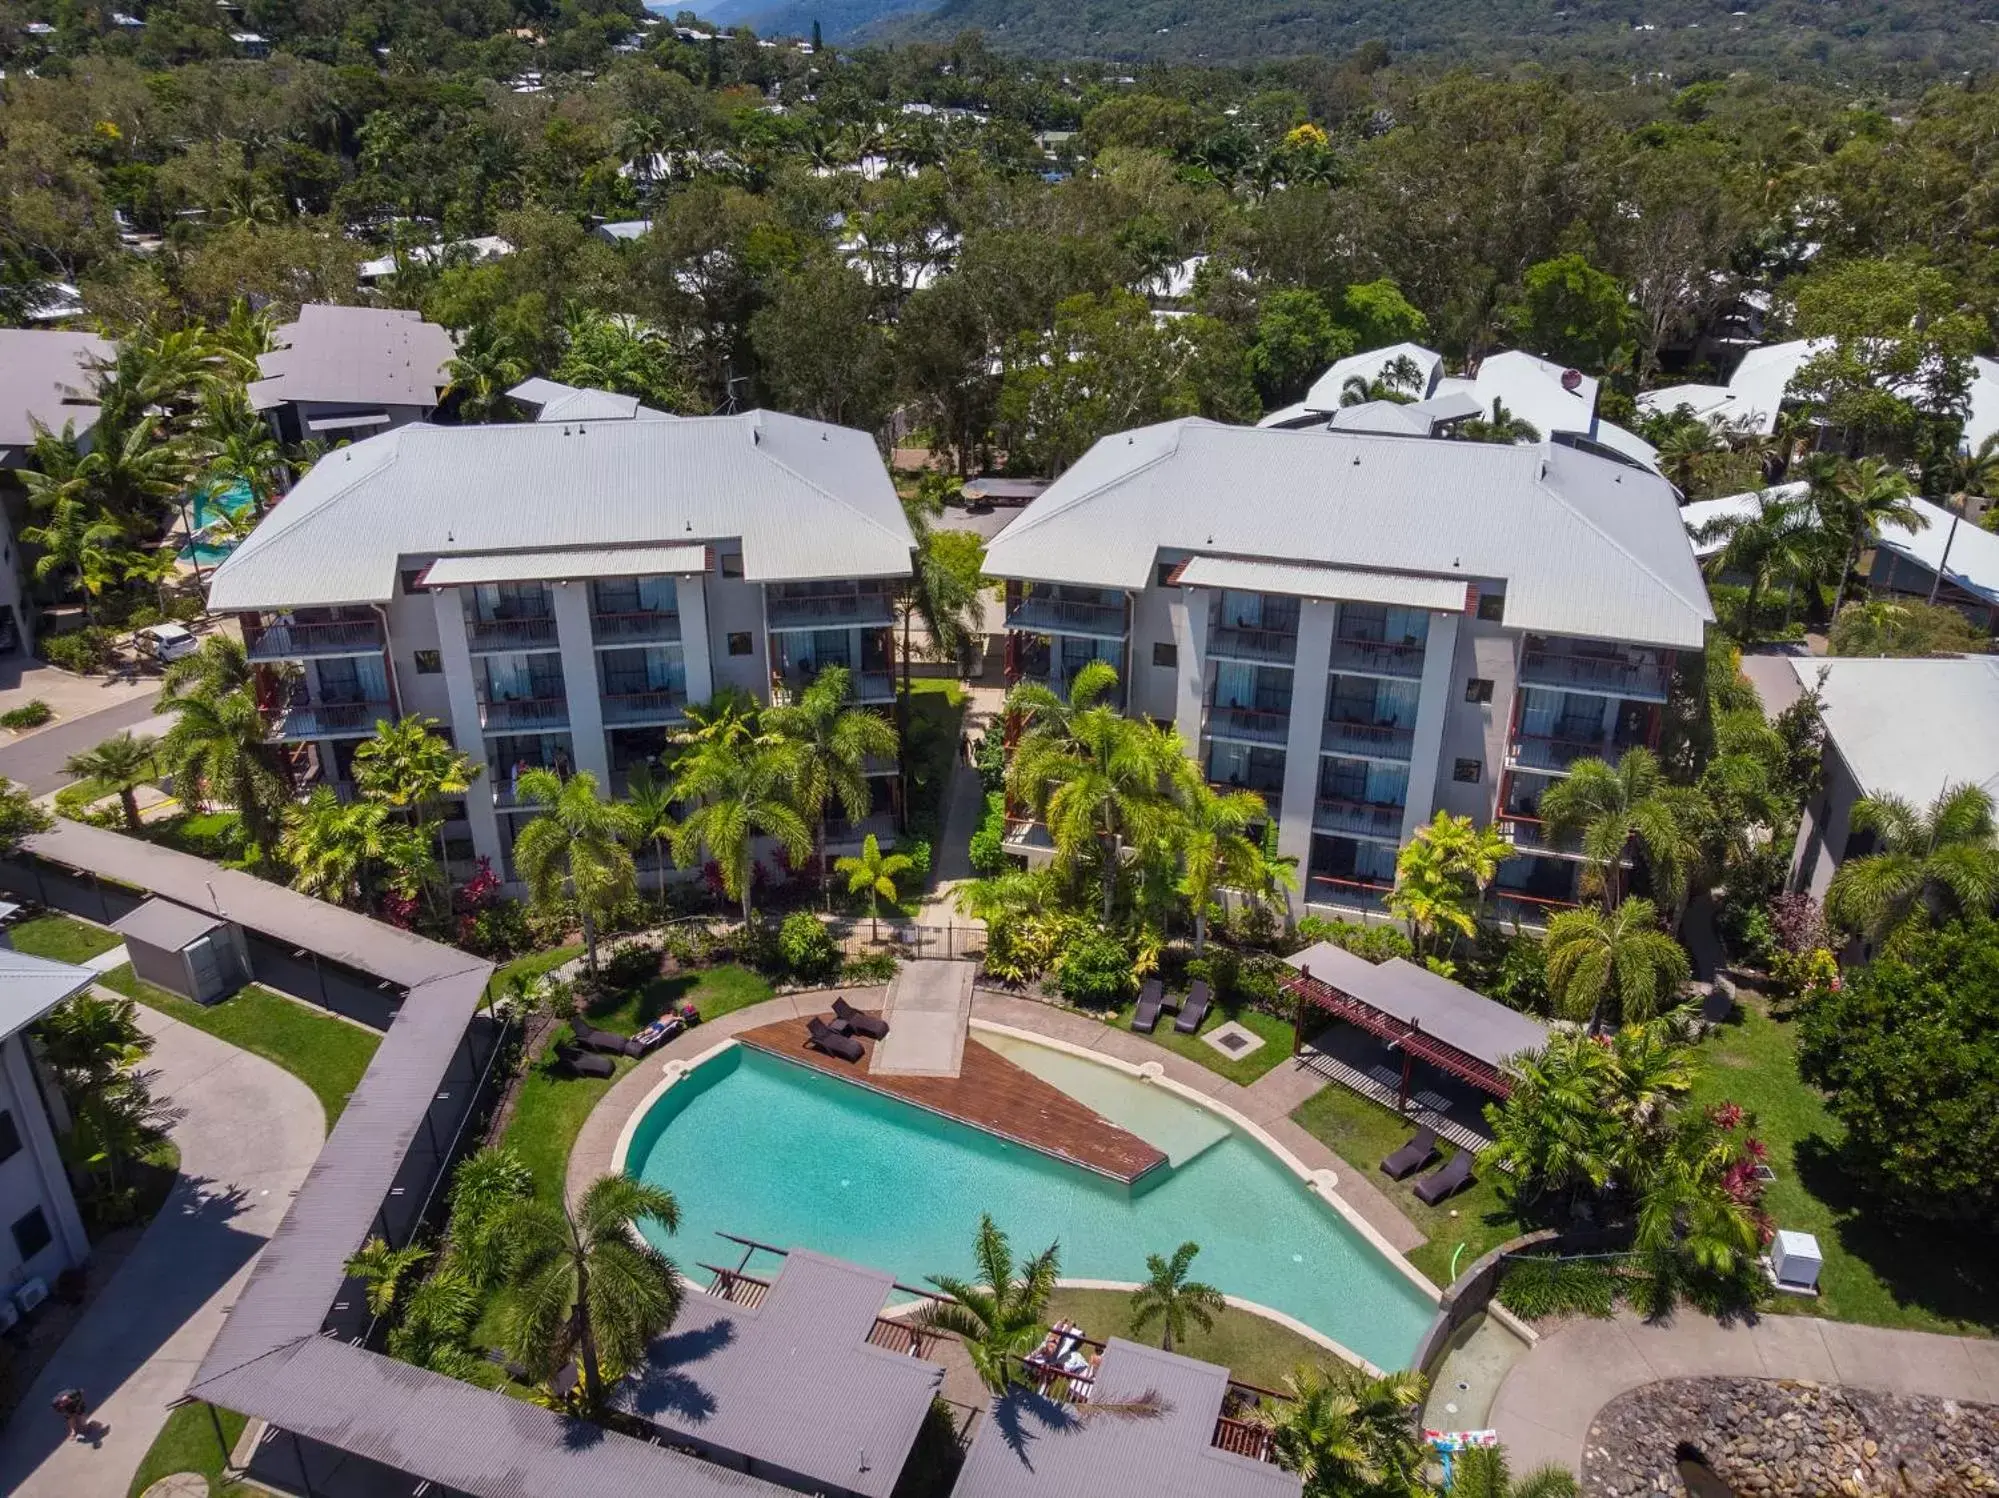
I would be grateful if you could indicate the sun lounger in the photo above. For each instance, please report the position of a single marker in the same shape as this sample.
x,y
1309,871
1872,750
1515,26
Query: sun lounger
x,y
581,1064
824,1037
1446,1180
602,1041
658,1033
858,1021
1413,1156
1151,999
1195,1009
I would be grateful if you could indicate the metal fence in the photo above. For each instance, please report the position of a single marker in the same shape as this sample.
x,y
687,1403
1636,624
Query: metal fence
x,y
906,940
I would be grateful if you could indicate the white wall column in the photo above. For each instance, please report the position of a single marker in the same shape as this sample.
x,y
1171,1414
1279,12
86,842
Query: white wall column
x,y
1440,654
466,732
692,600
579,681
1308,726
1189,612
33,1123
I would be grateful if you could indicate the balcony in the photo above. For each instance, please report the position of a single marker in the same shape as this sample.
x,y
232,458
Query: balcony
x,y
1369,819
328,720
1045,613
1605,675
1552,755
868,607
534,632
1366,895
1236,642
1249,725
633,709
1355,657
644,627
1524,909
1368,740
534,714
786,687
299,642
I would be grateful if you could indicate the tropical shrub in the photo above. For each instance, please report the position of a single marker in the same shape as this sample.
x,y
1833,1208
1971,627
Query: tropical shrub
x,y
1375,943
869,969
988,850
1094,970
28,715
629,966
84,651
809,952
482,1188
1546,1286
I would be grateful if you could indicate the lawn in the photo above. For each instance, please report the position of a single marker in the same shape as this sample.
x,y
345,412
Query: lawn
x,y
1255,1350
1276,1047
186,1443
524,970
61,938
1927,1277
325,1053
1364,1134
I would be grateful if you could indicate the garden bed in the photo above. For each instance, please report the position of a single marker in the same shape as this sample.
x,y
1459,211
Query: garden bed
x,y
1275,1033
1254,1348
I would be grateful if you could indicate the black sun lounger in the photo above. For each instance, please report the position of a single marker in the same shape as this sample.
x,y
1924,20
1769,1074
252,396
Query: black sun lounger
x,y
822,1035
580,1064
1194,1010
1151,999
1448,1180
1413,1156
859,1021
603,1041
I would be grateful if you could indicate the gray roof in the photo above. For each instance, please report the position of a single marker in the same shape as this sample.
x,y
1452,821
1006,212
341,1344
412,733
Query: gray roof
x,y
31,986
794,1383
1908,728
161,923
44,376
355,355
1586,546
1447,1011
1030,1447
807,500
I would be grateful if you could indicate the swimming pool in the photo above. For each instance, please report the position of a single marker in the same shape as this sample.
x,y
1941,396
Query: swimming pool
x,y
754,1145
209,506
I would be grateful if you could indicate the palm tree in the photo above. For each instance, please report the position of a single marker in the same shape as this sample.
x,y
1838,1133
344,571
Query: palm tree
x,y
381,1268
217,750
1399,381
1350,1434
1780,540
1501,427
653,812
1688,1213
1173,1300
1941,856
220,665
584,1285
483,370
1481,1472
1599,956
1429,893
874,872
158,567
575,847
1687,450
122,763
830,744
943,599
1553,1132
998,1317
413,767
1871,494
1611,807
70,539
1217,851
740,791
235,444
348,853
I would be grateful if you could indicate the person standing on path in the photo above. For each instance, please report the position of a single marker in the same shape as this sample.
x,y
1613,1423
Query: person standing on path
x,y
73,1407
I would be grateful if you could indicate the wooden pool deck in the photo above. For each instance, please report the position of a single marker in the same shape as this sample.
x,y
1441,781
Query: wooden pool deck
x,y
989,1093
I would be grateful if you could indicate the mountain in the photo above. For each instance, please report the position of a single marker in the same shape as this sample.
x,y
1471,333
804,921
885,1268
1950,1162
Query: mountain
x,y
839,20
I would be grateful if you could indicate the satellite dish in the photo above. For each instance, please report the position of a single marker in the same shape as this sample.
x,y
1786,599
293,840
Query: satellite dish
x,y
1572,380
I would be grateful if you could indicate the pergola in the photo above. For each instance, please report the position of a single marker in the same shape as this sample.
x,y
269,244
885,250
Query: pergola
x,y
1417,1012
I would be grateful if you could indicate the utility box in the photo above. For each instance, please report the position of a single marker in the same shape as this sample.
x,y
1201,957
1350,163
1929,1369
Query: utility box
x,y
1795,1262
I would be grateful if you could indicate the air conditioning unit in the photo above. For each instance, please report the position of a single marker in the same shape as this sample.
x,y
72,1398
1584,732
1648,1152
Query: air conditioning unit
x,y
31,1294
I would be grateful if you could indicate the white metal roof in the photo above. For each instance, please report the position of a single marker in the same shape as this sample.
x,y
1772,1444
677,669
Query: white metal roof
x,y
1704,512
45,377
1290,579
551,566
1327,389
1908,728
31,986
1983,418
374,356
1973,564
1533,389
1703,400
1586,546
807,501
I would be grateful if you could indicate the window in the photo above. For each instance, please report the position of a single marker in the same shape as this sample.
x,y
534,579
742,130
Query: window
x,y
740,643
1166,571
1165,653
10,1136
1468,770
1478,689
732,564
429,662
1492,607
411,577
31,1234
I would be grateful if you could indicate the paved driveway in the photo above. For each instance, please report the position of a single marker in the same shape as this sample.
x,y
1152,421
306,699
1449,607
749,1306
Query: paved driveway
x,y
248,1132
37,760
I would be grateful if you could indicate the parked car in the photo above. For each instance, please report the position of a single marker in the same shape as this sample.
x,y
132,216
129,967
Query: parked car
x,y
166,643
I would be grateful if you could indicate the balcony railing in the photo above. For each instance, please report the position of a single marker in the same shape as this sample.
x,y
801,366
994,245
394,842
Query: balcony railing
x,y
1241,643
534,633
1358,818
1377,658
538,713
1350,894
826,610
868,686
1368,740
1249,724
1592,673
1546,752
1045,614
621,709
328,720
648,626
1526,909
297,642
1243,1438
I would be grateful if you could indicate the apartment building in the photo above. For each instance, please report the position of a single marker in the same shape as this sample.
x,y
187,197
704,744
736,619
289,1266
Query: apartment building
x,y
556,593
1365,629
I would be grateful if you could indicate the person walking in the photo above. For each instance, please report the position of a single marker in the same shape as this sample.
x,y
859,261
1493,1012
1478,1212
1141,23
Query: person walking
x,y
73,1407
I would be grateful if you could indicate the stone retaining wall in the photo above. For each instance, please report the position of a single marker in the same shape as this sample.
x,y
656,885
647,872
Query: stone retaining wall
x,y
1782,1439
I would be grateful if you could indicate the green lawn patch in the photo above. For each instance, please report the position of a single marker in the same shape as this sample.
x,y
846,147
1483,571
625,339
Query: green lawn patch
x,y
1256,1350
1276,1047
186,1443
61,938
941,686
524,970
214,835
1363,1134
1927,1277
325,1053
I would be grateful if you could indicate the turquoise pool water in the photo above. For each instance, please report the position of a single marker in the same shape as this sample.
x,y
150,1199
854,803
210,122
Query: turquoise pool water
x,y
757,1146
207,508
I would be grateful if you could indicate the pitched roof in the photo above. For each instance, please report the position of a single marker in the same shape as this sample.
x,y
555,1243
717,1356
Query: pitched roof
x,y
1908,728
44,376
1465,1020
806,499
162,923
1586,546
381,356
31,986
1367,367
1973,564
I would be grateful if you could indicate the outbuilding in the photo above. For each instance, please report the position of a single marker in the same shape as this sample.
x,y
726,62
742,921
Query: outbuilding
x,y
188,952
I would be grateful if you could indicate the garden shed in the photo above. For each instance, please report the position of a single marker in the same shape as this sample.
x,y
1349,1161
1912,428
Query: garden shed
x,y
188,952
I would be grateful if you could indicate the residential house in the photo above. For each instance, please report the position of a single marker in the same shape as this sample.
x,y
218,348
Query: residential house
x,y
45,1234
1364,629
557,592
342,372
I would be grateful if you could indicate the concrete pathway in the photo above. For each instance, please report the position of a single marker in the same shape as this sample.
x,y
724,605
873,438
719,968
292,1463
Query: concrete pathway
x,y
1545,1409
248,1131
929,1009
36,762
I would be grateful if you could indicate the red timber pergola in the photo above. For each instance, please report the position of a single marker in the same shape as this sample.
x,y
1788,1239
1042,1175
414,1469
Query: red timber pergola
x,y
1424,1016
